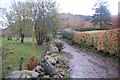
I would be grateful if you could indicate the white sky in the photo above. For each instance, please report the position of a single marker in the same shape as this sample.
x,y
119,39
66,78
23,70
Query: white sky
x,y
75,6
84,6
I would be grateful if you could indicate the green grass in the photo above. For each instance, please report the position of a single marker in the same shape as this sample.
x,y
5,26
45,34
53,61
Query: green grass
x,y
0,58
19,50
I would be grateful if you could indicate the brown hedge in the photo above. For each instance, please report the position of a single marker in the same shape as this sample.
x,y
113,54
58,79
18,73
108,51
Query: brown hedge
x,y
106,40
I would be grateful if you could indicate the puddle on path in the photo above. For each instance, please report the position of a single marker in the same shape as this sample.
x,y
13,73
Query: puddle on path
x,y
67,55
98,65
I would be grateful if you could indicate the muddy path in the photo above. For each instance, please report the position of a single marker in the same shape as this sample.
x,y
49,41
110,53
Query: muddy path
x,y
83,65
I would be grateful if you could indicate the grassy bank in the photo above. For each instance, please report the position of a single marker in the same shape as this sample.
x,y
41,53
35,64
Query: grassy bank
x,y
15,50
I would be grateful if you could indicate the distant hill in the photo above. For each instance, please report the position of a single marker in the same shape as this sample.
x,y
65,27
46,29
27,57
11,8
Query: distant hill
x,y
86,17
74,21
69,15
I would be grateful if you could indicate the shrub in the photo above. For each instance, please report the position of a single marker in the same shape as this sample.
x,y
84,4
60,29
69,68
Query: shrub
x,y
86,38
114,41
67,33
92,29
106,40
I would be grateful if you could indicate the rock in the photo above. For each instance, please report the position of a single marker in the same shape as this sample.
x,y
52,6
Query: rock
x,y
46,76
50,59
57,65
18,74
35,74
56,58
47,56
38,69
60,76
59,45
42,74
48,67
14,74
57,76
62,72
59,73
54,49
53,55
49,53
24,74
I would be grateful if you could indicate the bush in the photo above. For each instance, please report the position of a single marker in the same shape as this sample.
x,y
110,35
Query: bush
x,y
106,41
92,29
68,34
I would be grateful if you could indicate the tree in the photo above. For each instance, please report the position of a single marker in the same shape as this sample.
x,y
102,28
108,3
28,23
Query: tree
x,y
3,17
22,18
102,14
46,21
7,20
42,14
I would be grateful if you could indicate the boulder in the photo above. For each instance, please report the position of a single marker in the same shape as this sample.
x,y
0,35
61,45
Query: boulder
x,y
17,74
39,69
51,59
59,45
48,67
24,74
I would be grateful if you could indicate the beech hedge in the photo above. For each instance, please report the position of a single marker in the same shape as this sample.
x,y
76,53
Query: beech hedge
x,y
106,40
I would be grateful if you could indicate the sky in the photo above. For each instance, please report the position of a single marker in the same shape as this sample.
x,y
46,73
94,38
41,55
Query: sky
x,y
82,7
79,7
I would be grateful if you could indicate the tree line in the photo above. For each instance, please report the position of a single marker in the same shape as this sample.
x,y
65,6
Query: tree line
x,y
42,15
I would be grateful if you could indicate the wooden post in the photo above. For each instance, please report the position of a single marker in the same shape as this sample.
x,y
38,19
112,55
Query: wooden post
x,y
21,63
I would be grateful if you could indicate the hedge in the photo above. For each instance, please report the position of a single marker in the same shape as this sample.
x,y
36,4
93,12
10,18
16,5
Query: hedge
x,y
91,29
68,34
106,40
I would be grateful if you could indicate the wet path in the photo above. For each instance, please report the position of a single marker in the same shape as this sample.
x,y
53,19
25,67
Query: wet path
x,y
83,65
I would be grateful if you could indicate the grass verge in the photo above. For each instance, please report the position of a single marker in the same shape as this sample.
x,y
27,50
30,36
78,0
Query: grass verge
x,y
16,50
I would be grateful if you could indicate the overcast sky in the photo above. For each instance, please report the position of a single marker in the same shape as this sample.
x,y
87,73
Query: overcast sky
x,y
82,7
75,6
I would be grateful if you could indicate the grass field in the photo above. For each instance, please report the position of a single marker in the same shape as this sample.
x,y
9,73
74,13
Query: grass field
x,y
19,50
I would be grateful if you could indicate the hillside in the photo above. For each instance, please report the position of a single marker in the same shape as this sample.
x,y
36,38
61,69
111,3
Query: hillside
x,y
74,21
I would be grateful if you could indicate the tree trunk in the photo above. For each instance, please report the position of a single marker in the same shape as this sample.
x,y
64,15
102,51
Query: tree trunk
x,y
39,38
22,38
21,35
100,24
